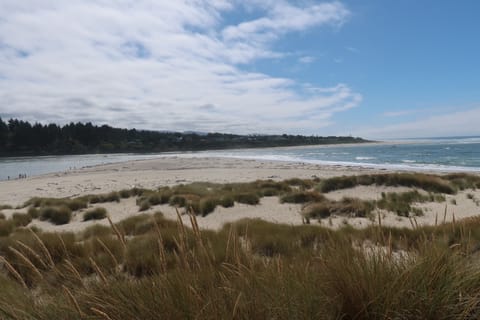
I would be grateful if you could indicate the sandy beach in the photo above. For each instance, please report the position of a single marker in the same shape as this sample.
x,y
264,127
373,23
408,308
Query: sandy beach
x,y
171,171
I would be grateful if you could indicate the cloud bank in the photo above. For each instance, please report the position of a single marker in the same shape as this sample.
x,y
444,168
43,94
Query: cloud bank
x,y
164,65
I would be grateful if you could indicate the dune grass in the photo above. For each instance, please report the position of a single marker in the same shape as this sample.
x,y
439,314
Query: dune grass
x,y
98,213
56,215
250,269
429,183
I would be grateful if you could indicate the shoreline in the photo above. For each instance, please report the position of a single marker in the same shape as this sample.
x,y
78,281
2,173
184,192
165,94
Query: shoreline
x,y
175,170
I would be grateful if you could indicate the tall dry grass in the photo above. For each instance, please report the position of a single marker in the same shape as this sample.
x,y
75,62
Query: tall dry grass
x,y
151,268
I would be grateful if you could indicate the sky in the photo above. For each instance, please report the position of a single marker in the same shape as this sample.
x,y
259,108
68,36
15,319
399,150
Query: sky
x,y
378,69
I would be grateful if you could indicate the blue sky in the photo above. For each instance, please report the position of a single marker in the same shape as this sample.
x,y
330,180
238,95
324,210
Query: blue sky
x,y
378,69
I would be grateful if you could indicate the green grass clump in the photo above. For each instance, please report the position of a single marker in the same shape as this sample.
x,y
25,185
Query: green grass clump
x,y
102,198
144,205
21,219
247,198
33,212
426,182
73,204
143,223
125,193
464,181
304,184
6,227
95,214
319,210
207,205
302,197
56,215
401,203
226,201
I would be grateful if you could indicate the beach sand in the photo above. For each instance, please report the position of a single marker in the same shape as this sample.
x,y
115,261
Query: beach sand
x,y
170,171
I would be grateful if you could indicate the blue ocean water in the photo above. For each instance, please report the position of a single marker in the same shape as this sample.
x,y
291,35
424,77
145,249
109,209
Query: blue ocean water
x,y
440,154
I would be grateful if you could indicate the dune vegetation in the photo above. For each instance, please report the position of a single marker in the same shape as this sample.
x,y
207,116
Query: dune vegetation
x,y
147,267
150,267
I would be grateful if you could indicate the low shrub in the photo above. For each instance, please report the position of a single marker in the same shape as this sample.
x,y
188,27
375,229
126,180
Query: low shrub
x,y
56,215
95,214
302,197
125,193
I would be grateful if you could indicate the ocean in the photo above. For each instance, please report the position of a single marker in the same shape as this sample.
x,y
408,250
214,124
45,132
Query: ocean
x,y
459,154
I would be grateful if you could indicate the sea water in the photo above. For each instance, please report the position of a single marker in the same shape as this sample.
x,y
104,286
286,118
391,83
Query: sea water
x,y
440,154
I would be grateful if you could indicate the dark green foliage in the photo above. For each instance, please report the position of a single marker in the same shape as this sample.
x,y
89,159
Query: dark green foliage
x,y
56,215
95,214
2,216
21,138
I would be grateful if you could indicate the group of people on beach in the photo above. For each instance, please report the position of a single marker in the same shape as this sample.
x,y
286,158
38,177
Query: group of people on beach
x,y
20,176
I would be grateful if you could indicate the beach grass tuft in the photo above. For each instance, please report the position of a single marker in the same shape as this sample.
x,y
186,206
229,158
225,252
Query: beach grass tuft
x,y
98,213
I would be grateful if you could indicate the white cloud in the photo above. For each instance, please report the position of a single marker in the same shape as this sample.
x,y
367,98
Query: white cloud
x,y
306,59
158,64
460,123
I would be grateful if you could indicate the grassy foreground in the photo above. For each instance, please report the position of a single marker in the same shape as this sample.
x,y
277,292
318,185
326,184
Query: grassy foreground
x,y
147,267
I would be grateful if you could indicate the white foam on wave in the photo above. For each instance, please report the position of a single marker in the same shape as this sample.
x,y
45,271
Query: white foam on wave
x,y
365,158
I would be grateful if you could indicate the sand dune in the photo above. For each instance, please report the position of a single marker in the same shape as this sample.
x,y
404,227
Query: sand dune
x,y
174,170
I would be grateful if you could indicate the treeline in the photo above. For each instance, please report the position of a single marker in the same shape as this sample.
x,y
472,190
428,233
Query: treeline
x,y
19,138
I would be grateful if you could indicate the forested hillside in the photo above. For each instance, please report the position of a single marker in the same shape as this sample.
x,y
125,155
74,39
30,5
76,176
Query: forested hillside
x,y
19,137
